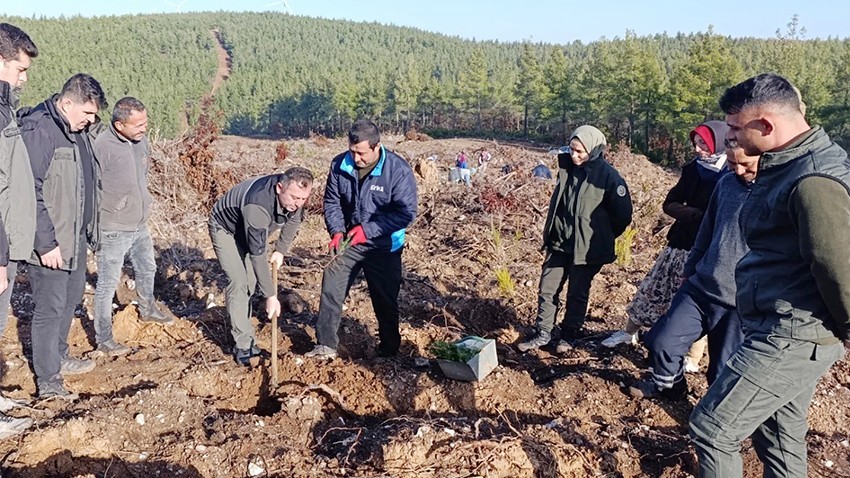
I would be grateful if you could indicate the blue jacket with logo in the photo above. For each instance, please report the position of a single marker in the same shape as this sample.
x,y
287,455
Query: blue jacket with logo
x,y
385,204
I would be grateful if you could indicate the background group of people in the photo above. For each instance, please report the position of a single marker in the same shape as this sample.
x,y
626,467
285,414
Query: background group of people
x,y
756,259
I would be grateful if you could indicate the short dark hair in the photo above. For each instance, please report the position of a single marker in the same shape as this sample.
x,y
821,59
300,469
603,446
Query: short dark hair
x,y
125,107
82,88
303,177
13,41
761,90
364,130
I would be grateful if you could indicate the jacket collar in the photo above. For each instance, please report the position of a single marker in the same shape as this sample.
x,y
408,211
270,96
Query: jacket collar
x,y
350,168
58,118
118,135
8,97
814,139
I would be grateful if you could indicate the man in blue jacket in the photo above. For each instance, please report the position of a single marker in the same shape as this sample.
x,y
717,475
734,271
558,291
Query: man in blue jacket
x,y
370,198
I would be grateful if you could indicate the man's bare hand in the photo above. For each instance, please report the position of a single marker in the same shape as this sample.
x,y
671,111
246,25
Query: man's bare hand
x,y
277,259
52,259
272,306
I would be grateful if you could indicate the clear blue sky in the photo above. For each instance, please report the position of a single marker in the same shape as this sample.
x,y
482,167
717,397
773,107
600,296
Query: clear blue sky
x,y
552,21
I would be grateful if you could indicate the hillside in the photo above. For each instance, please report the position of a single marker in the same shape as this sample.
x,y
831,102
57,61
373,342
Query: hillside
x,y
292,76
179,406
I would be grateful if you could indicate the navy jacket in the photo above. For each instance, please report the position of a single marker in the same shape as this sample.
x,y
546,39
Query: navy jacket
x,y
385,204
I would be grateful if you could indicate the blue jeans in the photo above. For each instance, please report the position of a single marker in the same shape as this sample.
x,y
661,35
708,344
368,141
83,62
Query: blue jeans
x,y
114,246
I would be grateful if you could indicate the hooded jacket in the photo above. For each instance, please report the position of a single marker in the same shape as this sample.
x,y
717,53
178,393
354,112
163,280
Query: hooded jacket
x,y
62,193
688,199
17,191
590,206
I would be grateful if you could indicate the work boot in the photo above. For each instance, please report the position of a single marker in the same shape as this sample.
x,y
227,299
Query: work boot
x,y
648,389
568,341
55,389
244,356
11,426
620,337
7,403
321,352
113,348
155,314
542,338
75,366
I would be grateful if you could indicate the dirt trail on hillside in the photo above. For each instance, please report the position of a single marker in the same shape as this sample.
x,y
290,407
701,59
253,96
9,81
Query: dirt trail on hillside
x,y
221,75
224,62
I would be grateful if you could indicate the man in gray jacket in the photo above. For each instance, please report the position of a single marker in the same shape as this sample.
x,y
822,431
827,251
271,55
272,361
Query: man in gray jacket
x,y
17,195
56,134
122,154
240,224
793,286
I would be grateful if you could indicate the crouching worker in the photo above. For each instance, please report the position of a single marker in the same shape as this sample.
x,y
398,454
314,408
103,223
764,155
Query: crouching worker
x,y
240,224
370,198
590,207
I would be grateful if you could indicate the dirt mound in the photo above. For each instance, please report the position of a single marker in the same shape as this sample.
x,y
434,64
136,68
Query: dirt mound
x,y
178,405
128,329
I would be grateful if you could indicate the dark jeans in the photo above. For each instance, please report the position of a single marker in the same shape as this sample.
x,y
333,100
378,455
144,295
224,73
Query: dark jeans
x,y
764,391
383,276
56,294
114,245
6,296
691,316
558,268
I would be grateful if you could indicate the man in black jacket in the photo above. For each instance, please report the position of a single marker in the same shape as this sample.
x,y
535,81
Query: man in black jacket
x,y
240,224
56,134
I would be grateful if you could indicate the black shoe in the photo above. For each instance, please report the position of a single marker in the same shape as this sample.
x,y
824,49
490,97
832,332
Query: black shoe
x,y
648,389
542,338
156,315
387,353
244,356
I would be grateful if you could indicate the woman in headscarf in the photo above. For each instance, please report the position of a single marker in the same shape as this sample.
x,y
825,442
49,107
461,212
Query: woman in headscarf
x,y
685,203
589,208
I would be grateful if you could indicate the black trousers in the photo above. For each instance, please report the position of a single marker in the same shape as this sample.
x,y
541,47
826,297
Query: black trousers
x,y
56,294
558,269
383,276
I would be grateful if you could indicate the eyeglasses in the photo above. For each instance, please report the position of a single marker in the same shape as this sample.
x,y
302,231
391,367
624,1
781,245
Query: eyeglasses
x,y
730,144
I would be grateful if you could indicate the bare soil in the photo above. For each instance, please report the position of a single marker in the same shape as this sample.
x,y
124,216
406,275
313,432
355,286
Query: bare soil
x,y
179,405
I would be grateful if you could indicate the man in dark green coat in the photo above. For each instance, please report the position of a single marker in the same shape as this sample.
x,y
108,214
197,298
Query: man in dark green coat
x,y
793,286
590,207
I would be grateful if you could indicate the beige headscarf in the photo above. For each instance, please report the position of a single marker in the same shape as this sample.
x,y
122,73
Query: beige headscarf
x,y
592,139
